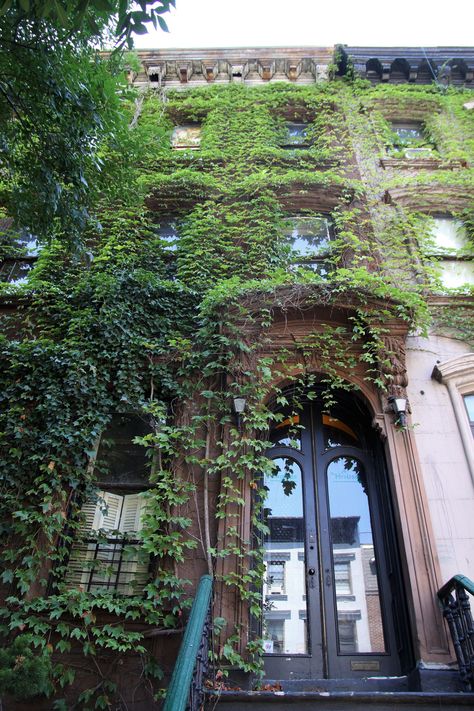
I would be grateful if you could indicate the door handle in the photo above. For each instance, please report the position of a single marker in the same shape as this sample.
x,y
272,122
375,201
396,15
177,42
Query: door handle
x,y
311,572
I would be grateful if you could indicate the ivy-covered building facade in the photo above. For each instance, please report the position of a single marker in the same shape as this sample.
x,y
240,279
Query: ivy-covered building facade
x,y
260,368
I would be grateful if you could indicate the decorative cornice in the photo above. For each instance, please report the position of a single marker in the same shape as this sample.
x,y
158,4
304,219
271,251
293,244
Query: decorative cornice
x,y
459,369
181,68
417,65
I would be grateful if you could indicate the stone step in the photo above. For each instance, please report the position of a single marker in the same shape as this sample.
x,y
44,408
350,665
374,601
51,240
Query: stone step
x,y
336,700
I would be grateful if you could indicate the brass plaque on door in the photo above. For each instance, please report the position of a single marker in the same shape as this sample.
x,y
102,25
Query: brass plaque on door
x,y
365,666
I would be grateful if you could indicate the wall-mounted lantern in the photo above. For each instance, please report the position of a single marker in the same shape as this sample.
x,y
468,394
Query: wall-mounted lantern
x,y
399,407
239,408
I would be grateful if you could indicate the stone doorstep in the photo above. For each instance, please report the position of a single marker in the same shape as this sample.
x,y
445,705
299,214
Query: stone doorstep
x,y
335,699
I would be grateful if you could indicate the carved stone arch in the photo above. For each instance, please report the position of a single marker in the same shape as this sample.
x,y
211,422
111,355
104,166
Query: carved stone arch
x,y
458,71
399,71
430,198
418,552
373,69
427,71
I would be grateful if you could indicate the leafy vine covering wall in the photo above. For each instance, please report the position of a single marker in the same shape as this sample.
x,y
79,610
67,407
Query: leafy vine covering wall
x,y
174,333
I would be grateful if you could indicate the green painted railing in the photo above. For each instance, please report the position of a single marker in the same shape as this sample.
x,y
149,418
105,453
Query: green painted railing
x,y
180,685
454,598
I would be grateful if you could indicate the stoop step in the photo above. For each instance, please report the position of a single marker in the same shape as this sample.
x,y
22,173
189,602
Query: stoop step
x,y
337,700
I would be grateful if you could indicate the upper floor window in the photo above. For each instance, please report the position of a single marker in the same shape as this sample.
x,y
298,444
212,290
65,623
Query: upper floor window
x,y
168,231
186,137
411,140
310,239
16,270
28,243
450,248
25,247
296,136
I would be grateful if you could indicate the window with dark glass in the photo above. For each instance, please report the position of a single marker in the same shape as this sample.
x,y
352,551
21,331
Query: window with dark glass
x,y
168,231
410,138
106,555
296,136
286,432
310,240
15,269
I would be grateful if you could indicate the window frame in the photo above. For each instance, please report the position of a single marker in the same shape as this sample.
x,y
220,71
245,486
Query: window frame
x,y
107,541
421,147
275,560
15,266
320,259
118,572
444,255
180,145
457,374
305,142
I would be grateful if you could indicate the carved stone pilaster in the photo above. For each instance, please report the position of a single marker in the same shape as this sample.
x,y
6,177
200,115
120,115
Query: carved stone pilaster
x,y
380,426
392,365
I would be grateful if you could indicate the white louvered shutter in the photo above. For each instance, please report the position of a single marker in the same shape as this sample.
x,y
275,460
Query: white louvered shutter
x,y
106,555
91,514
82,553
134,573
133,506
110,510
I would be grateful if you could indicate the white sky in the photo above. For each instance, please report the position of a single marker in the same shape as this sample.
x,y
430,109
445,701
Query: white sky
x,y
273,23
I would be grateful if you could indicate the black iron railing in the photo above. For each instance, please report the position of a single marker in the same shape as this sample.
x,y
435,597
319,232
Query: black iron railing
x,y
455,601
186,689
107,564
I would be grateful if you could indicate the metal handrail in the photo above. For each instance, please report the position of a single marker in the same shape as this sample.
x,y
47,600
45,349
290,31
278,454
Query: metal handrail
x,y
192,645
454,600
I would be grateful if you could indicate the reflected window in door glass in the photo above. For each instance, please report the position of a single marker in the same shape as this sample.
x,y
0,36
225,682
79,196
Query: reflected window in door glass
x,y
338,433
284,628
358,612
287,432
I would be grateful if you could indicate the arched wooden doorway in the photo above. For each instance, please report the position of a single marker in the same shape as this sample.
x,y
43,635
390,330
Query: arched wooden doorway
x,y
333,601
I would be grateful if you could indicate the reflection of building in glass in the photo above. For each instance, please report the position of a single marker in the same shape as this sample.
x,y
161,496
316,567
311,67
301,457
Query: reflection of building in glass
x,y
359,618
284,590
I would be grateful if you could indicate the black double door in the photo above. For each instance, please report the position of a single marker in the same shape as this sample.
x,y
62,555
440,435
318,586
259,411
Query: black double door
x,y
332,600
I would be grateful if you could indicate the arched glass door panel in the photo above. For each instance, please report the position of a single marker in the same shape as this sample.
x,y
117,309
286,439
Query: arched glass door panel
x,y
354,571
284,611
338,433
287,431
